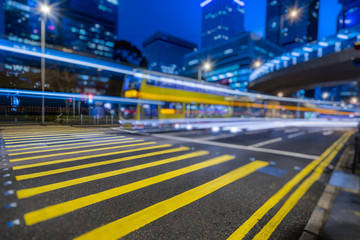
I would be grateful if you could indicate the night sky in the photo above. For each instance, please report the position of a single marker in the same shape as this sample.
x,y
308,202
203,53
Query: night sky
x,y
138,19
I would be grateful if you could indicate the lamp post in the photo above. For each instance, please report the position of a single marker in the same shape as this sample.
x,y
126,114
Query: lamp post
x,y
45,10
205,67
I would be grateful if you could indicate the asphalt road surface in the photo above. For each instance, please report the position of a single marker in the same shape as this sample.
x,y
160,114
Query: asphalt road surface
x,y
78,183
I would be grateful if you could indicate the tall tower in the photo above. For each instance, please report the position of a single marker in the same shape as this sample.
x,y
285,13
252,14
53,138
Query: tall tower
x,y
292,23
349,15
221,20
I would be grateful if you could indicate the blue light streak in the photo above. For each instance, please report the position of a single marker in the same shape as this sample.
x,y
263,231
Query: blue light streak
x,y
28,93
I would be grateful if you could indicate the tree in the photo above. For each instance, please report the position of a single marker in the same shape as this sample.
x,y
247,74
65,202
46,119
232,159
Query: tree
x,y
18,81
61,80
126,52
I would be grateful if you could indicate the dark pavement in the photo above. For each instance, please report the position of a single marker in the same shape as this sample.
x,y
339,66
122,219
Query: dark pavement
x,y
66,183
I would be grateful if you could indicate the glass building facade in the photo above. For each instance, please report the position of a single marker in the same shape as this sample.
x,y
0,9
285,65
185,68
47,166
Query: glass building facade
x,y
221,20
292,31
75,26
165,53
85,26
231,62
350,14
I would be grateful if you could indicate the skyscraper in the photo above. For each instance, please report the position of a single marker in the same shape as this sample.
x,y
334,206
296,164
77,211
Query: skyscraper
x,y
292,23
2,19
350,14
165,53
86,26
73,26
221,20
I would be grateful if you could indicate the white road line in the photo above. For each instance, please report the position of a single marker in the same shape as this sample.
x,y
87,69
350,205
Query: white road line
x,y
217,137
242,147
291,130
315,131
296,134
328,133
260,144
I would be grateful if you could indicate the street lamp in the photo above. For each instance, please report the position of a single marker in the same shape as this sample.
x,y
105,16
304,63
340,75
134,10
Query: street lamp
x,y
354,100
325,95
257,64
292,14
205,67
45,10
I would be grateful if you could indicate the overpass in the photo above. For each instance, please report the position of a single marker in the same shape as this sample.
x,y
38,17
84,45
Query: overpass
x,y
321,63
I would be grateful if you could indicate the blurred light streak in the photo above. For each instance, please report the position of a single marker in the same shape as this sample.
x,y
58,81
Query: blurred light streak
x,y
57,95
113,67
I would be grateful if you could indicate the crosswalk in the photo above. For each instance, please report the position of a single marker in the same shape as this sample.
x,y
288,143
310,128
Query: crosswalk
x,y
62,159
50,161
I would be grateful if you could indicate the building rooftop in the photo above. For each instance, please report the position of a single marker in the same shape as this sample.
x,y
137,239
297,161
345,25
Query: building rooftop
x,y
168,38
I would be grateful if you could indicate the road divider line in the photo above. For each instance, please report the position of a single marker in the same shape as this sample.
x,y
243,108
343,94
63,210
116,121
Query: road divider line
x,y
82,151
294,198
133,222
97,164
296,135
260,144
235,146
26,193
291,130
69,143
97,144
212,138
241,232
89,157
327,133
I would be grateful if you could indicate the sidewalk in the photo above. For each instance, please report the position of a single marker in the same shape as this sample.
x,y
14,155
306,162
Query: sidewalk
x,y
337,214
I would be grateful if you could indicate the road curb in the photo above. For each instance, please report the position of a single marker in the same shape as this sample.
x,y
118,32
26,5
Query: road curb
x,y
315,226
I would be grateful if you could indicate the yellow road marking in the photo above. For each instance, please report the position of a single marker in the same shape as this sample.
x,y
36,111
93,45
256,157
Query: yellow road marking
x,y
36,130
56,142
48,139
294,198
29,192
48,135
97,144
45,133
87,157
96,164
241,232
126,225
72,205
85,141
82,151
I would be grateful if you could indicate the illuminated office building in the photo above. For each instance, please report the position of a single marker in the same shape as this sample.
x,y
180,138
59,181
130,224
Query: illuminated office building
x,y
165,53
350,14
232,61
74,26
84,26
292,23
221,20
